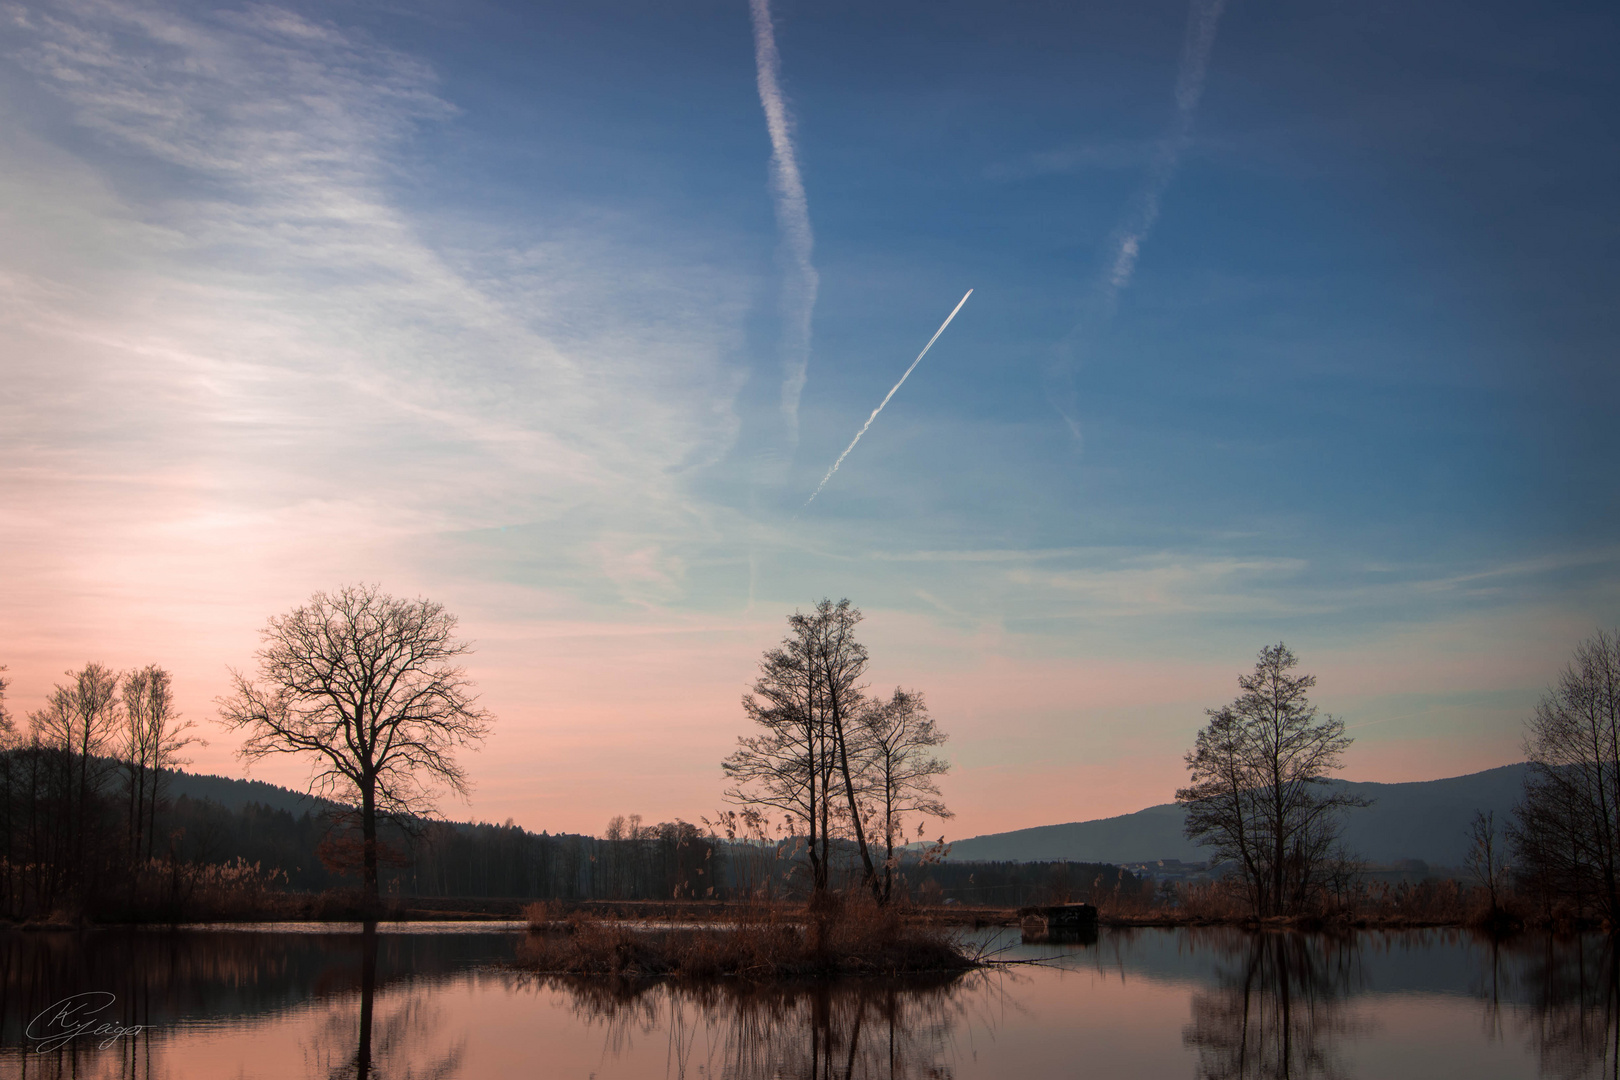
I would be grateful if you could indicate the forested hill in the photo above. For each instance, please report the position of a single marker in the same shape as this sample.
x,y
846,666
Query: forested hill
x,y
215,819
1427,820
238,794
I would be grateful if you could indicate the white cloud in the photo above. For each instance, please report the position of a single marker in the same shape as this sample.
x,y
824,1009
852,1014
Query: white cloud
x,y
225,285
801,284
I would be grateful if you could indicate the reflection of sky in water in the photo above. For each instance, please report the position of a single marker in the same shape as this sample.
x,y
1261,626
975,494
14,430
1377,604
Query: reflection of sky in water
x,y
1150,1003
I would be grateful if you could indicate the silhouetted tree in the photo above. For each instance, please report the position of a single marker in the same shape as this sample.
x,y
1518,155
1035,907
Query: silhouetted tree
x,y
8,796
367,685
841,661
1258,794
809,700
1485,860
787,766
898,741
8,727
79,721
153,737
1566,836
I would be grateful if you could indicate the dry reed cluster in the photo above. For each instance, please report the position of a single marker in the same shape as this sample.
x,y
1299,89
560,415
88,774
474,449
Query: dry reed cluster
x,y
760,943
1436,902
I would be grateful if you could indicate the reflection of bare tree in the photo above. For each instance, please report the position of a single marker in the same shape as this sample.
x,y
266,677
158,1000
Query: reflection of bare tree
x,y
867,1028
366,1046
1277,1007
163,980
1572,1004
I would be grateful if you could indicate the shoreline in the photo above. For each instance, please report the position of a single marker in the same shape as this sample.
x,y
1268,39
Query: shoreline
x,y
302,909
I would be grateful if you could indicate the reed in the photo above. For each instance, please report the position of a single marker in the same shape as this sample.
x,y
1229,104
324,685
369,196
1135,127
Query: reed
x,y
764,942
1363,905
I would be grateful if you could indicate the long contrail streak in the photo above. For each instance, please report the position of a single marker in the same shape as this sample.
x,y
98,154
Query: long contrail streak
x,y
800,282
1202,19
887,396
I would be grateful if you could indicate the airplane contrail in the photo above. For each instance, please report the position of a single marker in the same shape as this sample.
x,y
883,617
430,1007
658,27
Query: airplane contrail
x,y
886,398
801,282
1202,19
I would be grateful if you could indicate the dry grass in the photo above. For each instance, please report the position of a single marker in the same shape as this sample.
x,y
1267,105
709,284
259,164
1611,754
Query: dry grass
x,y
1367,905
171,891
764,943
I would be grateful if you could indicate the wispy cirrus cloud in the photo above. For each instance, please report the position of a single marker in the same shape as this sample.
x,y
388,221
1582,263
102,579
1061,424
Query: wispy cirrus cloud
x,y
1125,244
262,332
235,353
1202,19
801,281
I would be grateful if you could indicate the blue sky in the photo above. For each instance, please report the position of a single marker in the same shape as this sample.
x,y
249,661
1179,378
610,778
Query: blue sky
x,y
492,303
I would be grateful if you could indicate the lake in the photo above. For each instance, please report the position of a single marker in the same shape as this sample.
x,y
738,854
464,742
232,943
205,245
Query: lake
x,y
437,1001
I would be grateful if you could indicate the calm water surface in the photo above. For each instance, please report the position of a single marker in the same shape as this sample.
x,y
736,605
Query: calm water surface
x,y
438,1002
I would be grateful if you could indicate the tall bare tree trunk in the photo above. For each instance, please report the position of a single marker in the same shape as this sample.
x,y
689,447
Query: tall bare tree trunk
x,y
368,833
855,814
818,860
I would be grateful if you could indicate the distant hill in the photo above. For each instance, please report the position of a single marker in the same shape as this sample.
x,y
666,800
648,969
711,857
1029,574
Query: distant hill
x,y
233,795
1425,820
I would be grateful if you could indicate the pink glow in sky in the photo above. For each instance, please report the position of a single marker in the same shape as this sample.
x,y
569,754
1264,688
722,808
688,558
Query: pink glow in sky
x,y
597,718
491,314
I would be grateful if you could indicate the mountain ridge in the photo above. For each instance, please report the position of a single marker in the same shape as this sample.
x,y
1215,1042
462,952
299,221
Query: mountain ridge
x,y
1424,819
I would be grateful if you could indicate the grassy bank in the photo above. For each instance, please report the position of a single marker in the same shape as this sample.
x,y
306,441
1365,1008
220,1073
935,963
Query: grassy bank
x,y
760,943
167,894
1371,906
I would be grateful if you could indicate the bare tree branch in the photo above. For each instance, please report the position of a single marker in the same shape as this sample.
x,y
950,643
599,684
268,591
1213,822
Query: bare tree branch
x,y
367,685
1258,796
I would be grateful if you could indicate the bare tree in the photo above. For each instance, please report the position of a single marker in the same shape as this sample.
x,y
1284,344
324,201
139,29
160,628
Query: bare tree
x,y
840,662
898,741
1485,857
786,766
1566,836
74,731
8,727
153,737
368,685
809,700
82,716
81,719
1258,793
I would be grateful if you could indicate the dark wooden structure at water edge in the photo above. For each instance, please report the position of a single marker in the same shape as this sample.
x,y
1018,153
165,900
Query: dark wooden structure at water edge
x,y
1059,922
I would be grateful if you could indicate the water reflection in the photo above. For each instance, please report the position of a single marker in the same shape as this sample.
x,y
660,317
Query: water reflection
x,y
854,1029
1277,1006
376,1004
363,1045
167,987
1573,1012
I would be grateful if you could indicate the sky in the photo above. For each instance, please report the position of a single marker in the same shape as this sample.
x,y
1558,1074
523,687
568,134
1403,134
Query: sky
x,y
1289,322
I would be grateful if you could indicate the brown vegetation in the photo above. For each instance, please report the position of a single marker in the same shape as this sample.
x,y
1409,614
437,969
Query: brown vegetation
x,y
1359,905
837,936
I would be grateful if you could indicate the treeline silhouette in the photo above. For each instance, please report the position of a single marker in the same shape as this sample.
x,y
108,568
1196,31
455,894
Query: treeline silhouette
x,y
62,829
62,853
